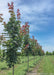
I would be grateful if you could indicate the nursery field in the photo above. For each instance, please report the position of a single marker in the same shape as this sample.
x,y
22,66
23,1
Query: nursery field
x,y
46,65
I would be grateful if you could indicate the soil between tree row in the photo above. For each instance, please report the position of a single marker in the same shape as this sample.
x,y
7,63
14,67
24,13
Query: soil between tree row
x,y
34,71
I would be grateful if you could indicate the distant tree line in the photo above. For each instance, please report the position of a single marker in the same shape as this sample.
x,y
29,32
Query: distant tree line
x,y
49,53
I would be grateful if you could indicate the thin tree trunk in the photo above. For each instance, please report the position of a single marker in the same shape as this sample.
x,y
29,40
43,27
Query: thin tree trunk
x,y
0,51
28,63
34,58
13,69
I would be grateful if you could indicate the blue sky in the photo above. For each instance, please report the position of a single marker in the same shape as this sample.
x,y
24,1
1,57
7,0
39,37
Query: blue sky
x,y
39,14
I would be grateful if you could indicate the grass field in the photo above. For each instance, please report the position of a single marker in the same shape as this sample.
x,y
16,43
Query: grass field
x,y
47,65
20,69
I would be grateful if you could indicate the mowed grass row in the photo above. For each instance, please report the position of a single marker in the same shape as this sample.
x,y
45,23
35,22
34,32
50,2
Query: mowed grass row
x,y
20,69
47,65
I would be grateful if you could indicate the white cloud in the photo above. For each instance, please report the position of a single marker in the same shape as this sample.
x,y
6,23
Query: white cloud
x,y
34,28
31,13
43,6
48,48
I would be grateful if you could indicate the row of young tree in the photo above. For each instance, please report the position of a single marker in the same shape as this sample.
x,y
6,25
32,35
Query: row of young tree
x,y
16,37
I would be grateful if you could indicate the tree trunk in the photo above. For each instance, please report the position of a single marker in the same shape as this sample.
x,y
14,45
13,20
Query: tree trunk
x,y
34,59
13,69
28,63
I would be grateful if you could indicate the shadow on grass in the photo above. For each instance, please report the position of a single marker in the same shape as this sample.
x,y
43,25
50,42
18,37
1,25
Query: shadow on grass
x,y
5,68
